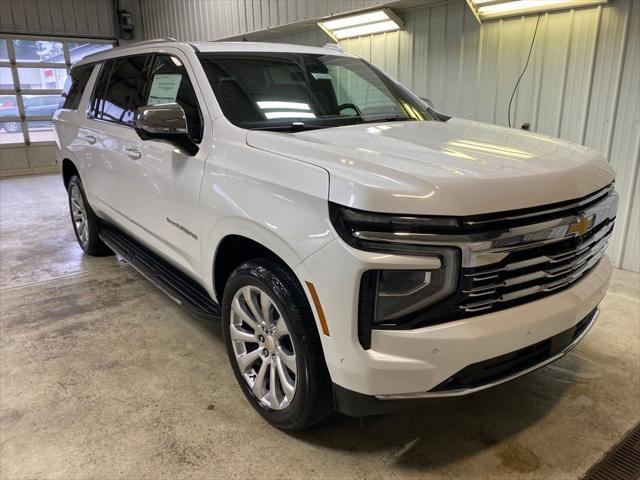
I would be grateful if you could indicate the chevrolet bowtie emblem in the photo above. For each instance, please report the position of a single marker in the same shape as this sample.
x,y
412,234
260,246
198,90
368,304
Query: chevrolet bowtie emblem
x,y
581,225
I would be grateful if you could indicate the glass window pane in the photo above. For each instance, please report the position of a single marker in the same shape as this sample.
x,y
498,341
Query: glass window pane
x,y
122,95
79,50
170,83
41,132
42,78
4,55
40,104
38,51
74,88
6,80
11,132
8,106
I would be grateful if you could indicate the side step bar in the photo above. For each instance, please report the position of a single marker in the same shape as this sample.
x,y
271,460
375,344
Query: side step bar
x,y
179,287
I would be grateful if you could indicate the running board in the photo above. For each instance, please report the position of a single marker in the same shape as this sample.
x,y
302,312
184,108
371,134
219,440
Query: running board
x,y
178,286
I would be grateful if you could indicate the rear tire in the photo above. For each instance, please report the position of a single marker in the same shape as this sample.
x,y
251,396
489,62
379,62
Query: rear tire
x,y
266,318
86,223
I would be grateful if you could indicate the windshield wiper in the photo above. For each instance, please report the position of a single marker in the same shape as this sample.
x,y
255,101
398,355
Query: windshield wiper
x,y
291,127
388,118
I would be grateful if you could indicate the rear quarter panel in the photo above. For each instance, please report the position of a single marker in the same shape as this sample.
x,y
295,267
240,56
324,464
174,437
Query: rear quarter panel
x,y
68,126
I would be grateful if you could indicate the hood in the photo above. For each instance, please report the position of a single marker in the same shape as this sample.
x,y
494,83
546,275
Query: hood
x,y
457,167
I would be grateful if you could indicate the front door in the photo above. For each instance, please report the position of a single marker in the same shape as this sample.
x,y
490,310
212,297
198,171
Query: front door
x,y
166,180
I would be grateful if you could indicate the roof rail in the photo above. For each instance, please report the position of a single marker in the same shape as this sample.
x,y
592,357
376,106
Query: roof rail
x,y
333,46
133,44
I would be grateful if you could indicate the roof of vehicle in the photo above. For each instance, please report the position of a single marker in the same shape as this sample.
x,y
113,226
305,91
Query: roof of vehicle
x,y
154,45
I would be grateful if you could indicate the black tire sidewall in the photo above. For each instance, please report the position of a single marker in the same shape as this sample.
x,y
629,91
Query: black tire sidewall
x,y
254,274
94,246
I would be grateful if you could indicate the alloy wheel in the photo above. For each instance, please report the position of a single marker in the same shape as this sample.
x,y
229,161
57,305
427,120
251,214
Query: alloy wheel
x,y
263,347
79,215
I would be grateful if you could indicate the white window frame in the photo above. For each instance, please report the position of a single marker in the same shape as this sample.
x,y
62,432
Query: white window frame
x,y
19,92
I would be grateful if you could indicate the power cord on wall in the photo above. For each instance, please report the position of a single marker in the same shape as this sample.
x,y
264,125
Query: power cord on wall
x,y
513,94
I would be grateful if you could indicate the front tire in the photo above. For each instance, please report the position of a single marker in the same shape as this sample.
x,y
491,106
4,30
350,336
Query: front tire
x,y
274,347
86,223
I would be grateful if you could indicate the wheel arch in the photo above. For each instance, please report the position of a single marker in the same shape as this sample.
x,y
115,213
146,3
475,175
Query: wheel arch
x,y
68,170
235,249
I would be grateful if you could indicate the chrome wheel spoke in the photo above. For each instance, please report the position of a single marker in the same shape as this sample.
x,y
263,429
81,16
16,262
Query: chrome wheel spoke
x,y
241,335
258,383
252,302
265,307
289,360
273,390
243,315
245,360
288,385
281,328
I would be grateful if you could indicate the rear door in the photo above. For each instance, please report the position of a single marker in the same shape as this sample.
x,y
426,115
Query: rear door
x,y
166,180
70,117
110,136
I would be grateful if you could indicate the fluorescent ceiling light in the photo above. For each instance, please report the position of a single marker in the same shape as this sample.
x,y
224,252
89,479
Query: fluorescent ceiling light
x,y
352,21
488,9
291,105
368,23
372,28
297,114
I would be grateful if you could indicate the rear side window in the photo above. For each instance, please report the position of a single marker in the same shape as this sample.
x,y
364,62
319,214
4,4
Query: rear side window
x,y
74,87
119,90
169,83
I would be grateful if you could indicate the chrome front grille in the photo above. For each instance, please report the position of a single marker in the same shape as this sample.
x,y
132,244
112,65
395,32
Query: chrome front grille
x,y
534,271
514,258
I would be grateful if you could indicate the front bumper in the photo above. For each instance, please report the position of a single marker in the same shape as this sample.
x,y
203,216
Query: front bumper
x,y
359,405
411,363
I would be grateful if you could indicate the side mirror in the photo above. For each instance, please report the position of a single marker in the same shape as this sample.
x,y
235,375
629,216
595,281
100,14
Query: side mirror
x,y
161,119
440,116
164,121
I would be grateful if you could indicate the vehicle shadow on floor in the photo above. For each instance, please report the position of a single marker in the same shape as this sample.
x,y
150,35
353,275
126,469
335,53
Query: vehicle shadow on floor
x,y
439,432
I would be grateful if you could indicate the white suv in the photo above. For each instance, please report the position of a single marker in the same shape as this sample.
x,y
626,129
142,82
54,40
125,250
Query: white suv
x,y
362,249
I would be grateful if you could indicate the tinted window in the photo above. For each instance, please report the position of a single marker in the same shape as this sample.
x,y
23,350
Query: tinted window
x,y
169,83
119,92
271,90
74,86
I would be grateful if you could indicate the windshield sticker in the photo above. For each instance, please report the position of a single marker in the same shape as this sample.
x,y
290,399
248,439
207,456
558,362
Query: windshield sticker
x,y
164,88
321,76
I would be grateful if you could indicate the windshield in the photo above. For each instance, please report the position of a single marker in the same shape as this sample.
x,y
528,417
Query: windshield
x,y
293,91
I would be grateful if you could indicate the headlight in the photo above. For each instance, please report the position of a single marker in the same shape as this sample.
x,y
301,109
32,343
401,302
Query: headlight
x,y
374,232
390,298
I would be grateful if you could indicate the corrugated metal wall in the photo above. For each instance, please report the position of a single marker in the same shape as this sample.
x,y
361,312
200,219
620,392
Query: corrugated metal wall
x,y
58,17
582,83
202,20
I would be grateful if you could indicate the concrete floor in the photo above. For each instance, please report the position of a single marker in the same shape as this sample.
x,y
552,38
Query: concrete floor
x,y
102,376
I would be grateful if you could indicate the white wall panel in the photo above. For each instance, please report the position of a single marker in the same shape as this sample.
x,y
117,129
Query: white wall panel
x,y
202,20
58,17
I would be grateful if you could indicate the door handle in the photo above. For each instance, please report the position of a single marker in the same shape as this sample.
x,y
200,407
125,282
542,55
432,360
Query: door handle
x,y
90,138
133,153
